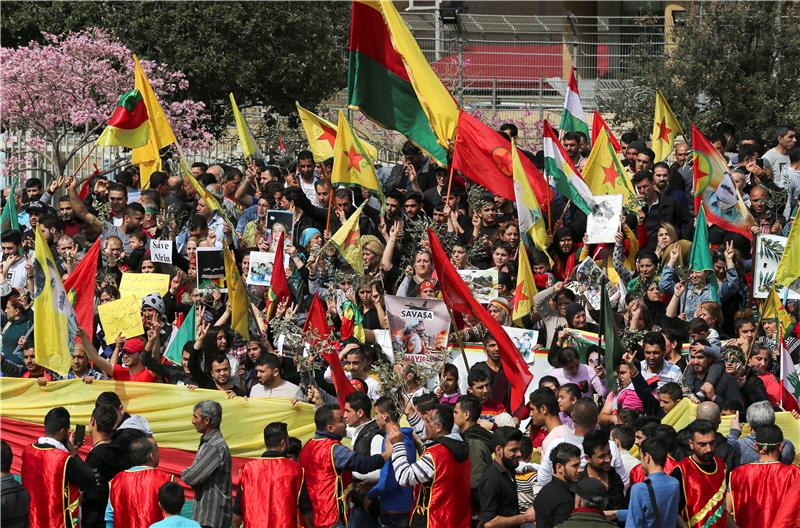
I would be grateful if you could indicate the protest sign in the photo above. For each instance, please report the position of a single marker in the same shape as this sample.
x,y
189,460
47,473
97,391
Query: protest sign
x,y
525,340
161,251
483,284
140,285
279,222
769,250
121,316
602,223
211,269
260,271
417,326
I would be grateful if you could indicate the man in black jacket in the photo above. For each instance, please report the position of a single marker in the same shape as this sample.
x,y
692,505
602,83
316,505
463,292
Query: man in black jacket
x,y
15,502
107,459
556,500
728,451
367,441
659,208
479,440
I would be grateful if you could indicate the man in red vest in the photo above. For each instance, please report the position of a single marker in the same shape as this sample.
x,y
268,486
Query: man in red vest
x,y
702,478
52,468
133,494
758,490
442,474
272,491
328,467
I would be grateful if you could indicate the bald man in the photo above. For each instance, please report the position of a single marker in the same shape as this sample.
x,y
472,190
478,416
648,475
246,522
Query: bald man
x,y
726,448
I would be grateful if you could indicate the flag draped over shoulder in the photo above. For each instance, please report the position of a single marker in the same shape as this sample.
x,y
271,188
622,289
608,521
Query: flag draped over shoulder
x,y
240,304
148,156
352,164
9,218
560,168
249,147
128,126
80,286
526,287
54,324
317,321
700,257
531,220
611,343
788,272
598,124
665,128
321,136
714,187
352,322
483,155
185,333
572,117
347,240
457,296
278,286
603,171
390,81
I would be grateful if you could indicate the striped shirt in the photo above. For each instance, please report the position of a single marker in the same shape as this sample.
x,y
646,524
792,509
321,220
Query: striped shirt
x,y
210,477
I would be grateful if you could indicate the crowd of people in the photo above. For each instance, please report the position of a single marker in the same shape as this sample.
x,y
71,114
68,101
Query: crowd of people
x,y
424,452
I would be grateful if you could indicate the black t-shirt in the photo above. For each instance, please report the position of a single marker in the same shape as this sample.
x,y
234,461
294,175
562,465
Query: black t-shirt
x,y
616,489
553,504
497,491
106,460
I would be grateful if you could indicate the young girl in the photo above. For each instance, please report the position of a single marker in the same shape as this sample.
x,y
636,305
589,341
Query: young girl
x,y
448,391
625,396
568,395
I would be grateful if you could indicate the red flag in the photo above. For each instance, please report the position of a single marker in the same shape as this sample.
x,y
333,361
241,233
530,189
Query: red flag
x,y
598,123
484,156
457,296
278,286
281,146
80,285
319,321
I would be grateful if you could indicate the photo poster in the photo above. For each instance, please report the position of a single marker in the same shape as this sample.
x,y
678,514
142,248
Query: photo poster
x,y
211,269
261,263
418,327
769,250
602,224
525,340
279,222
484,284
161,251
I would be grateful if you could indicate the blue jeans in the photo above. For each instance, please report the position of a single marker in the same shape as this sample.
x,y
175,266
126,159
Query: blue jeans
x,y
359,518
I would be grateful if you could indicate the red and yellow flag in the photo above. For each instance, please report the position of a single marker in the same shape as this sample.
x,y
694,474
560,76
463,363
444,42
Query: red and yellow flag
x,y
128,126
321,135
352,164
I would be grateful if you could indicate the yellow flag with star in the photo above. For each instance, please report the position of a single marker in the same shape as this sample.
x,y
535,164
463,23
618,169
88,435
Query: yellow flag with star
x,y
665,128
352,165
321,135
347,240
237,295
526,287
603,171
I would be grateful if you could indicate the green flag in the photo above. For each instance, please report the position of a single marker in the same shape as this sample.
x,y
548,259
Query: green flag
x,y
700,257
8,218
184,334
611,342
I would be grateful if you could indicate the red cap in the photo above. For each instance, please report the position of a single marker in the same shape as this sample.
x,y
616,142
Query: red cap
x,y
134,346
426,284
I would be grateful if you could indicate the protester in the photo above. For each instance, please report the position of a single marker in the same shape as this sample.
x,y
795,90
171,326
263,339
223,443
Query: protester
x,y
497,488
15,501
171,500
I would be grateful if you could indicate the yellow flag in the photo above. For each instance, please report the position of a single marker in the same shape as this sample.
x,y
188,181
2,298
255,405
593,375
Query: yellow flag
x,y
161,134
352,164
526,287
249,147
665,128
788,272
435,99
774,309
347,240
54,323
208,198
321,135
237,296
603,172
531,221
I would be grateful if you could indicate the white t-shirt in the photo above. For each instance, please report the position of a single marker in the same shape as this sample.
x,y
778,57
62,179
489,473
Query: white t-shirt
x,y
310,191
285,390
778,162
17,275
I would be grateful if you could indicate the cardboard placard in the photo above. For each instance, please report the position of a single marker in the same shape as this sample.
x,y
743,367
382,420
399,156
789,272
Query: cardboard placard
x,y
417,326
141,284
769,250
211,269
161,251
483,284
123,316
260,271
602,224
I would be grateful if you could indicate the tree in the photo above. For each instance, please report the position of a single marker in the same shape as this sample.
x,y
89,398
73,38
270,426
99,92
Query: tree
x,y
70,85
729,63
268,54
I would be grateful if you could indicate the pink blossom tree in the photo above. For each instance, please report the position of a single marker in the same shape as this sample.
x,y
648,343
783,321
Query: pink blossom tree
x,y
57,97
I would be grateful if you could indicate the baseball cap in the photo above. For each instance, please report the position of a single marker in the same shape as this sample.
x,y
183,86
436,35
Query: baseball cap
x,y
591,490
35,207
133,346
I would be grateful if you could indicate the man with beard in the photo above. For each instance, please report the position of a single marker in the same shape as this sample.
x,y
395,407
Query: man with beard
x,y
497,487
597,452
556,500
702,478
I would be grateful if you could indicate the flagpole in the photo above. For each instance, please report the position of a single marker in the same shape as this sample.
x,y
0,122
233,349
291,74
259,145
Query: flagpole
x,y
458,339
549,208
83,161
452,166
330,206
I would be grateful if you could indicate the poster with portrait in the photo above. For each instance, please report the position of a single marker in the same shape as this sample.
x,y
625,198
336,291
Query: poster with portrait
x,y
769,250
279,222
484,284
525,340
602,223
211,269
418,327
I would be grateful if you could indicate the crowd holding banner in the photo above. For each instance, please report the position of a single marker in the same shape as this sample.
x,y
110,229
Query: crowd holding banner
x,y
598,333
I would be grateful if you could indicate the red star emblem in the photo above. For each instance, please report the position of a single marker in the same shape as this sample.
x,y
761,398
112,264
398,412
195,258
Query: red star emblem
x,y
663,131
328,135
611,175
355,158
502,158
519,295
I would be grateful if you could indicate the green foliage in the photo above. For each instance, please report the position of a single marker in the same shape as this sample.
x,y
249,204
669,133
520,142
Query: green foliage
x,y
732,62
266,53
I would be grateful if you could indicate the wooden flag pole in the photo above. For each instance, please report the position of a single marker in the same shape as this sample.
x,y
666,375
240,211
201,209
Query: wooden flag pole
x,y
452,165
458,339
83,161
330,206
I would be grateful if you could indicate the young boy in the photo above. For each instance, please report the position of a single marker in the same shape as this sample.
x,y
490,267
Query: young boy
x,y
171,500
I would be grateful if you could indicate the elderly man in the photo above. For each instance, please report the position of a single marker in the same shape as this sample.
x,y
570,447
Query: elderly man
x,y
759,414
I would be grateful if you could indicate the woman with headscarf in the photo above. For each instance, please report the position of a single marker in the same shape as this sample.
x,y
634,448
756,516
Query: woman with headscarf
x,y
372,252
500,310
564,251
575,315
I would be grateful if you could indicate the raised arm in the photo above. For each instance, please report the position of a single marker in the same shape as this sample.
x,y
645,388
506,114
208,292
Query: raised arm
x,y
100,363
